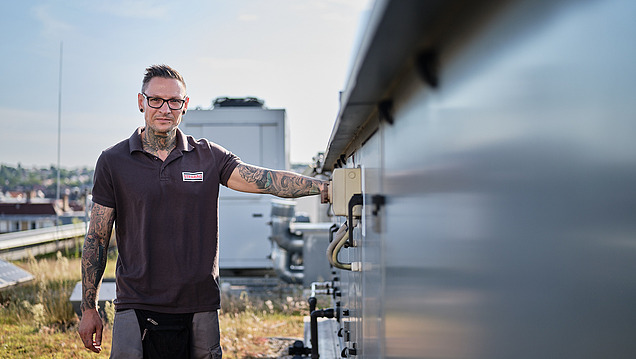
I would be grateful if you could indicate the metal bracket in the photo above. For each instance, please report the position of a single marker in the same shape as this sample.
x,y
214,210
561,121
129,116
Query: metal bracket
x,y
427,64
385,108
378,201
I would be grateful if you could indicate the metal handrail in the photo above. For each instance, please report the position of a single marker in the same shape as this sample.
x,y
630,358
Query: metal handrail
x,y
31,237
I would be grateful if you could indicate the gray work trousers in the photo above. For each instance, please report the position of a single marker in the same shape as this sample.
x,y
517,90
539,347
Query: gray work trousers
x,y
127,336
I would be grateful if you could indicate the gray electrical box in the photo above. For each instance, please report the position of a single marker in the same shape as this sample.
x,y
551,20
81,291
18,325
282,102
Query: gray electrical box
x,y
259,136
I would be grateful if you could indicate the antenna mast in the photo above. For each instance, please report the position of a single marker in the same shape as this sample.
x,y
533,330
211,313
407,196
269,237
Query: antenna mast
x,y
59,134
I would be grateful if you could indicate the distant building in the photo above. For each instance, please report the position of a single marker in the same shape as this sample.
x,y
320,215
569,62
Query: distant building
x,y
26,215
22,211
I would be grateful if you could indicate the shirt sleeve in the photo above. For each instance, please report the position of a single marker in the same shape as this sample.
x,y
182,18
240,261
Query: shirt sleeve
x,y
226,162
103,192
229,165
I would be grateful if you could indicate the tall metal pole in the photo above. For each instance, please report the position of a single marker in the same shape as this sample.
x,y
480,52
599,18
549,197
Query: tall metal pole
x,y
59,135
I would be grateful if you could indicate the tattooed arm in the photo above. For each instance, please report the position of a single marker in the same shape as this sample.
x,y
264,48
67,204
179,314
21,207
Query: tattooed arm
x,y
93,265
253,179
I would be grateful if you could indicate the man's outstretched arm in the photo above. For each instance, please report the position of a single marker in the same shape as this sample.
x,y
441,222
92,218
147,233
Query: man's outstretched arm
x,y
254,179
94,258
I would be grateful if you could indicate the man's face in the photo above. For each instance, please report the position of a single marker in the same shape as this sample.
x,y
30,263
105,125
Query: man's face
x,y
163,120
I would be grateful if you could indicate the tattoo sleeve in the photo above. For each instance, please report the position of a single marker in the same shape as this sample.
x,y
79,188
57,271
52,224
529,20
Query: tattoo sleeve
x,y
94,254
280,183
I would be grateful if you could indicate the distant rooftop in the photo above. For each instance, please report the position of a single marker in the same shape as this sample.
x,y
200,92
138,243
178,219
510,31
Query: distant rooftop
x,y
238,102
27,209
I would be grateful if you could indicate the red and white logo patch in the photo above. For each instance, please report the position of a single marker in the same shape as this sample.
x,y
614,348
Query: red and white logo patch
x,y
192,176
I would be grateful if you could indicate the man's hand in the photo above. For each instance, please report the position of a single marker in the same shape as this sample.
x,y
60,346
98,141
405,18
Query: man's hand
x,y
91,323
324,193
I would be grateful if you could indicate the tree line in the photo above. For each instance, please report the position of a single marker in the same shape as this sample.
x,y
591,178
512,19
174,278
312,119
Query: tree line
x,y
73,182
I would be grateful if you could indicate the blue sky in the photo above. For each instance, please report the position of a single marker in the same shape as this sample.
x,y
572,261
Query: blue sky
x,y
292,54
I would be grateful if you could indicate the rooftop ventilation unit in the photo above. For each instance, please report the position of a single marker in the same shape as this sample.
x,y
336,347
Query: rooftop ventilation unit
x,y
238,102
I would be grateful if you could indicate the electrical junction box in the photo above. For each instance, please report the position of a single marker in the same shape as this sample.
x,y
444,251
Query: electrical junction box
x,y
345,182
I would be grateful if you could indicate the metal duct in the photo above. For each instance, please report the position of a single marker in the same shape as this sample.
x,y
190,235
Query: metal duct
x,y
285,244
282,215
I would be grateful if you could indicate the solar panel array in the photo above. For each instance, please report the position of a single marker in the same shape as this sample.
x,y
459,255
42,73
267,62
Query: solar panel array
x,y
11,274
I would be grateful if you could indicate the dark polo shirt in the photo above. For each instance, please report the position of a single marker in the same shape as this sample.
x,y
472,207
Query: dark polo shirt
x,y
166,222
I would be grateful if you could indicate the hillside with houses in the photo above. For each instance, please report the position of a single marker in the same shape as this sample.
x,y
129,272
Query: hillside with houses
x,y
29,199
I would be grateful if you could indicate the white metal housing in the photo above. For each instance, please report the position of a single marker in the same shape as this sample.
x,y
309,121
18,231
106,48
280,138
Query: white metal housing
x,y
496,141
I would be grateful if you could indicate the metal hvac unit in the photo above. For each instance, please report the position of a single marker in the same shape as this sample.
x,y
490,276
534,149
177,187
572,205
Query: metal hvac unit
x,y
494,209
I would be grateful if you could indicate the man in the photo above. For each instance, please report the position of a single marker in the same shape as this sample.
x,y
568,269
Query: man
x,y
161,187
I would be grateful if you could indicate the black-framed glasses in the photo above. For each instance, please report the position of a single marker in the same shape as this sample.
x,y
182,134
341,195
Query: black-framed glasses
x,y
157,102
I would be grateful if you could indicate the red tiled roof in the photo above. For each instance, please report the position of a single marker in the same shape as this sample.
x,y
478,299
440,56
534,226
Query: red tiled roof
x,y
27,209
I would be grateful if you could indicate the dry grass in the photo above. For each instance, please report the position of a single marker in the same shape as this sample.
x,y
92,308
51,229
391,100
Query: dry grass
x,y
44,301
26,341
37,319
246,335
258,327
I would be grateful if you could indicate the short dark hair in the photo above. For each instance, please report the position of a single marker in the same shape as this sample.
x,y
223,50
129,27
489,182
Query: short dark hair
x,y
164,71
